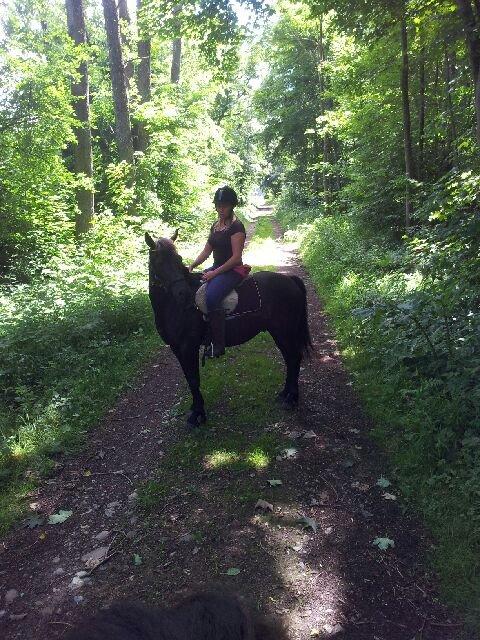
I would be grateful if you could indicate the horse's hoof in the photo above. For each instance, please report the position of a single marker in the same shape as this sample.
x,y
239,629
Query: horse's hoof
x,y
195,420
288,400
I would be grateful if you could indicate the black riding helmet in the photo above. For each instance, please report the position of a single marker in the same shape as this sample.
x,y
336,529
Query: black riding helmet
x,y
225,195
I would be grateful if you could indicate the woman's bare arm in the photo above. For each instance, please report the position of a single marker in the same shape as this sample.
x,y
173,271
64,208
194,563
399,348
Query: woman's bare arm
x,y
207,250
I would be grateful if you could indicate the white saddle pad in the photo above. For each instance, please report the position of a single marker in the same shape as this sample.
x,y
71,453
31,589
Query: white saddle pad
x,y
228,303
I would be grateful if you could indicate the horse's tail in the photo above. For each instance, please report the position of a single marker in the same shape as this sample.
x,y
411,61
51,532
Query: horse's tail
x,y
304,334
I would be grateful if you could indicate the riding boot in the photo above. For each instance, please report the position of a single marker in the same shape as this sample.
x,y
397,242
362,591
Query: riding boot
x,y
217,327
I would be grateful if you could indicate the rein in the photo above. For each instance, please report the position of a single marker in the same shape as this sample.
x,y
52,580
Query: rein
x,y
168,288
156,282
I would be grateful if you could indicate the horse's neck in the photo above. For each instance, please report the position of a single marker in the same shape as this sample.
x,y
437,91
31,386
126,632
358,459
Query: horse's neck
x,y
195,281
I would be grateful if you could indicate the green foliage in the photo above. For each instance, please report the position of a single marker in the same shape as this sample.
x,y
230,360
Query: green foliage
x,y
409,328
36,194
213,24
69,342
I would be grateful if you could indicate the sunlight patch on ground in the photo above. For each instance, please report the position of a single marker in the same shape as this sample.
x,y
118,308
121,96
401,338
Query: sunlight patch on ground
x,y
258,459
269,252
219,459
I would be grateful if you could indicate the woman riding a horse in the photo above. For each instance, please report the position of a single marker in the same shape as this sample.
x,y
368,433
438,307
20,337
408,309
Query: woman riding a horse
x,y
226,241
280,304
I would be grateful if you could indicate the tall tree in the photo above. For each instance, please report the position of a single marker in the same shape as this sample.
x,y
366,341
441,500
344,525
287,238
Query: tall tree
x,y
143,71
407,121
323,108
470,16
83,148
124,15
123,131
176,61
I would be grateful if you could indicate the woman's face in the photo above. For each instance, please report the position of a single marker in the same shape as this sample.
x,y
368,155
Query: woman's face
x,y
224,210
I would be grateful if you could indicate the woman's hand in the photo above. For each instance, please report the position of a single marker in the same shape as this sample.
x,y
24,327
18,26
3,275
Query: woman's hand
x,y
208,275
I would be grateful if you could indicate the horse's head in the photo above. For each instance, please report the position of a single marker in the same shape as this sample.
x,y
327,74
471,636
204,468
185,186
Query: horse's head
x,y
166,268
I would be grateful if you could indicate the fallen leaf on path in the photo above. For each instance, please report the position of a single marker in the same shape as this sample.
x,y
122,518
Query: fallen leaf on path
x,y
11,595
383,482
34,521
95,557
274,483
233,571
308,523
309,434
389,496
263,504
58,518
289,452
361,486
137,560
383,543
87,473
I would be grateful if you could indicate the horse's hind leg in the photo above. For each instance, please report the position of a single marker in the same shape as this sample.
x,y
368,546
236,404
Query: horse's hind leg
x,y
188,358
292,356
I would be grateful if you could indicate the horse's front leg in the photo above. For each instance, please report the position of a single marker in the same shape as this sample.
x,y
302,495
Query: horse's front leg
x,y
187,355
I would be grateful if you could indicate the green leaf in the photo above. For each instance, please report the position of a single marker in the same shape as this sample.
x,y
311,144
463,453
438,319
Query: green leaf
x,y
308,523
383,543
383,482
274,483
34,521
58,518
137,560
233,571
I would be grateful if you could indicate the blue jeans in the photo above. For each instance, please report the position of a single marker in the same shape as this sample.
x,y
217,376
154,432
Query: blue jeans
x,y
219,287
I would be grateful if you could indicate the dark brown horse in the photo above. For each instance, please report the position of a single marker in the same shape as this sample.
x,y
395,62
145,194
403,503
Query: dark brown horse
x,y
283,313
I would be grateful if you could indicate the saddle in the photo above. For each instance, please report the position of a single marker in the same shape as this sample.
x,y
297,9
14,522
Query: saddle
x,y
245,298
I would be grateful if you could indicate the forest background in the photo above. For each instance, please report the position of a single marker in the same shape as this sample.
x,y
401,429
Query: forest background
x,y
360,120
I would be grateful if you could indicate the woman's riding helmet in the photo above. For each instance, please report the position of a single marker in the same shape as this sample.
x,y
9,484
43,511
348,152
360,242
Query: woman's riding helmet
x,y
225,195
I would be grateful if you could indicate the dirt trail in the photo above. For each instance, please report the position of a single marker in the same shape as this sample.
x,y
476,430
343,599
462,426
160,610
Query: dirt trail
x,y
328,583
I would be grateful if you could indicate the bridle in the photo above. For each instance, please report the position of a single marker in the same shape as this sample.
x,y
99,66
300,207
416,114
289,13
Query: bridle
x,y
171,286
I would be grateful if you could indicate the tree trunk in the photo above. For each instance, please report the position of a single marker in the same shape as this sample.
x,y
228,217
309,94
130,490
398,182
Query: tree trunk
x,y
123,131
421,114
471,25
176,61
83,162
124,15
407,123
322,108
452,128
143,75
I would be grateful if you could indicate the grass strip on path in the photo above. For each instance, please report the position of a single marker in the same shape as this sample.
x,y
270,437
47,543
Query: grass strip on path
x,y
234,440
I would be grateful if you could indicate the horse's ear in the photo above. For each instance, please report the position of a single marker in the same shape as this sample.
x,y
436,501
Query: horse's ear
x,y
175,236
150,241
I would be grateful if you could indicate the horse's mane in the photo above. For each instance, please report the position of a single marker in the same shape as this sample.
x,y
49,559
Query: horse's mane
x,y
168,247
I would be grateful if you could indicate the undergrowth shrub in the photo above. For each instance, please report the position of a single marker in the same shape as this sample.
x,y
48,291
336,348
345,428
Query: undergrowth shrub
x,y
69,342
407,319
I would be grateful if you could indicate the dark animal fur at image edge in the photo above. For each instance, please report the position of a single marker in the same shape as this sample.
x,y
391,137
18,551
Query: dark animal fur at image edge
x,y
207,616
